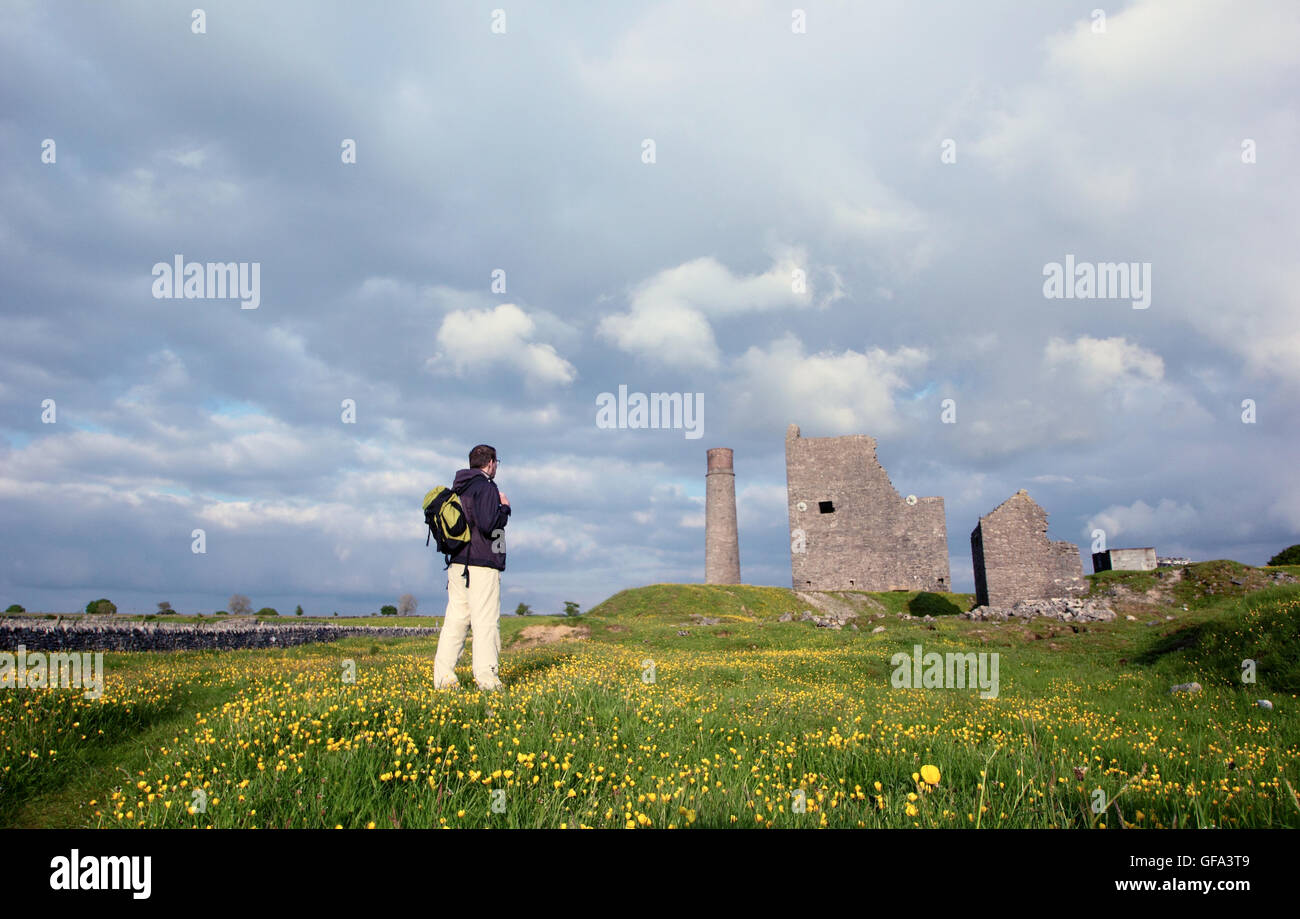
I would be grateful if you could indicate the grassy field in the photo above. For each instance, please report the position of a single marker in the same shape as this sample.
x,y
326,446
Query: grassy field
x,y
748,722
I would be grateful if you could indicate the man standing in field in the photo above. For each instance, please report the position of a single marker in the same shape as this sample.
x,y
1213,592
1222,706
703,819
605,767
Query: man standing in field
x,y
474,578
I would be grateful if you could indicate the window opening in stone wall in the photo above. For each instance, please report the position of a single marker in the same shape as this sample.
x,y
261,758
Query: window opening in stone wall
x,y
826,507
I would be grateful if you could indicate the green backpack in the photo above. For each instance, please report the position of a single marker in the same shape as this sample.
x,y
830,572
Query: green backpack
x,y
445,517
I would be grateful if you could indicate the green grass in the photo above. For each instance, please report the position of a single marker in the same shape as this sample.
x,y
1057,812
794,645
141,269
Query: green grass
x,y
726,725
1262,627
1195,585
678,602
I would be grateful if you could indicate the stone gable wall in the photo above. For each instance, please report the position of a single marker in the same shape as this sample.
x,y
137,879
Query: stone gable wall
x,y
1014,560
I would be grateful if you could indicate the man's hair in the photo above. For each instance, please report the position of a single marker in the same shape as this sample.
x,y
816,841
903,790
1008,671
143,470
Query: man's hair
x,y
481,455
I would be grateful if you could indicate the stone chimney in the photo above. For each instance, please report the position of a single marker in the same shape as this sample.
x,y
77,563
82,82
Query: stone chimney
x,y
721,538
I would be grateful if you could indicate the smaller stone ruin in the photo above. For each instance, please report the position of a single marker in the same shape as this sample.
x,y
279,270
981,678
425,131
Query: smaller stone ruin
x,y
1015,561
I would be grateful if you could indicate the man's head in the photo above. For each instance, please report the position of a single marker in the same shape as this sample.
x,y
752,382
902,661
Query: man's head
x,y
485,458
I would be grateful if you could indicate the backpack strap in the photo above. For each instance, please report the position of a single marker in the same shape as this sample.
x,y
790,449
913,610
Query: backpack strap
x,y
464,507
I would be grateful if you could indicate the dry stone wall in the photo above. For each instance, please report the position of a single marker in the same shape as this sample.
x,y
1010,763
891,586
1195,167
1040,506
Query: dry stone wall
x,y
81,635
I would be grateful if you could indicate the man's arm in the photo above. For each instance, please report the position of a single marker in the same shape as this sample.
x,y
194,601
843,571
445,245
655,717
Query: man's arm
x,y
488,507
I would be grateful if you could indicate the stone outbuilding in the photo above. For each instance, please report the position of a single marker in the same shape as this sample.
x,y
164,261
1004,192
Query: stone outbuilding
x,y
1014,560
1143,559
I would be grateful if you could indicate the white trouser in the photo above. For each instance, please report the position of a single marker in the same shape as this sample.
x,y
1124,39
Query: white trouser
x,y
476,608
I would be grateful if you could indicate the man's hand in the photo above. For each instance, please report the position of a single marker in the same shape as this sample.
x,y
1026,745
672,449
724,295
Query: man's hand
x,y
504,499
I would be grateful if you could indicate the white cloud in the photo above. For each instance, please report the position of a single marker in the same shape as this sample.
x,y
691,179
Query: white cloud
x,y
832,392
672,335
1143,524
1100,362
1160,46
192,159
669,319
481,341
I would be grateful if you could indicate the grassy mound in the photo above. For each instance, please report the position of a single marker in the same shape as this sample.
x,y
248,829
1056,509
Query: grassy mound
x,y
1264,627
1194,586
679,601
741,602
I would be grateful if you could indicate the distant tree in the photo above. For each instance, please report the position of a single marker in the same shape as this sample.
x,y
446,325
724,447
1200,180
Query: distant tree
x,y
336,612
406,605
523,609
101,607
267,611
164,608
240,605
570,608
15,608
1288,556
298,611
388,610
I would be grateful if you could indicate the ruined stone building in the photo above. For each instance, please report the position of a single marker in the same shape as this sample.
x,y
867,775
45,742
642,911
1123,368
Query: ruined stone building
x,y
1014,560
1143,559
721,538
849,528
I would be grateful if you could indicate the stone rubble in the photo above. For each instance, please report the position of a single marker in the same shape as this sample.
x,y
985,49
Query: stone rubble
x,y
836,621
1066,609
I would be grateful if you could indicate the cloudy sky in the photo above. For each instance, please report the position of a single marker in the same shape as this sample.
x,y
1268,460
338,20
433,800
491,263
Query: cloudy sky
x,y
838,218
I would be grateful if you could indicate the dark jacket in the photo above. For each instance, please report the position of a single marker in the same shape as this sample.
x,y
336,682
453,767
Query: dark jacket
x,y
482,503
